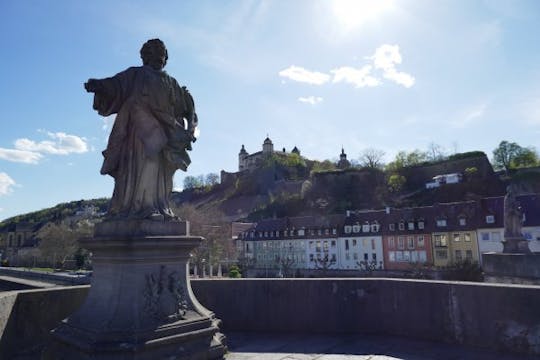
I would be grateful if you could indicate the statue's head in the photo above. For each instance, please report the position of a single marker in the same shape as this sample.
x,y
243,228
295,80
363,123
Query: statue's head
x,y
154,54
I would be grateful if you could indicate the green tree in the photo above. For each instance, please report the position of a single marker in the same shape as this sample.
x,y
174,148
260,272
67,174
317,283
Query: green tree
x,y
193,182
510,155
405,159
396,182
212,179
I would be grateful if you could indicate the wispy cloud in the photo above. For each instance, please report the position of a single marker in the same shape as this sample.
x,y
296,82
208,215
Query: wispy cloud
x,y
21,156
297,73
530,112
310,99
61,144
469,116
6,183
358,77
385,58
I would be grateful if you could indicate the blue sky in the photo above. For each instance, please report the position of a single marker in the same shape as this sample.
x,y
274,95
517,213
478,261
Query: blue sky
x,y
391,75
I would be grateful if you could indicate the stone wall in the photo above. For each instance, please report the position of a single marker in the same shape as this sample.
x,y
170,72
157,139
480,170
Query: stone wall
x,y
496,316
512,268
504,317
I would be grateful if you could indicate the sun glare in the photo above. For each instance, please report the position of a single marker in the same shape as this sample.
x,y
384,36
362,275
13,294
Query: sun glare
x,y
353,13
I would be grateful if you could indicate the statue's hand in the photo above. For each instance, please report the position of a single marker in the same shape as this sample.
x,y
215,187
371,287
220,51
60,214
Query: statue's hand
x,y
92,85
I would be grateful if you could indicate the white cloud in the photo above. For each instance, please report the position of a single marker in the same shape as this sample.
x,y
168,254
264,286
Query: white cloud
x,y
310,99
386,58
6,183
300,74
22,156
61,144
359,77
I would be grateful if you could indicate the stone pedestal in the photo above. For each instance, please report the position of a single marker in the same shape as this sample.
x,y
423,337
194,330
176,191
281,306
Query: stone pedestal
x,y
140,304
511,268
516,245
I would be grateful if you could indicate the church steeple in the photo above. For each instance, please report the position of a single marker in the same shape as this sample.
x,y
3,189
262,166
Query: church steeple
x,y
343,163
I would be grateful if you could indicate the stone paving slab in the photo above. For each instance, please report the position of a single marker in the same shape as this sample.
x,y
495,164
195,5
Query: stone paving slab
x,y
260,346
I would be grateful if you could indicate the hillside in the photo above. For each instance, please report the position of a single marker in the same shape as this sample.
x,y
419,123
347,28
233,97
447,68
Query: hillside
x,y
294,186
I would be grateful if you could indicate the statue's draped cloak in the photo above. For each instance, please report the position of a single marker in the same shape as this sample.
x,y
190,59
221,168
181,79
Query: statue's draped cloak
x,y
148,141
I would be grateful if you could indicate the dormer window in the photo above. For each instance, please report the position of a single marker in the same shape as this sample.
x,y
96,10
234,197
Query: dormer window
x,y
334,231
401,225
356,228
348,229
421,224
392,227
490,219
301,232
365,227
441,222
410,225
374,227
462,221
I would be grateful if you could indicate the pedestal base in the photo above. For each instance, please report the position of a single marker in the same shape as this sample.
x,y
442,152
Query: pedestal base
x,y
140,304
516,245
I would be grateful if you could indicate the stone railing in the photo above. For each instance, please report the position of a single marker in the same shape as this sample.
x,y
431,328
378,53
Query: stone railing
x,y
496,316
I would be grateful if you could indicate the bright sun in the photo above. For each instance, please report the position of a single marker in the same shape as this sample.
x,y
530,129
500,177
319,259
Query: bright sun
x,y
353,13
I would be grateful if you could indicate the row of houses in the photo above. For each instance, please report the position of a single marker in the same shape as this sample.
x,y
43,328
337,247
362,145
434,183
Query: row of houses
x,y
392,238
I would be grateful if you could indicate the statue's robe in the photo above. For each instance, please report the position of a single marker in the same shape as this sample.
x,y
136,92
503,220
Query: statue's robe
x,y
148,141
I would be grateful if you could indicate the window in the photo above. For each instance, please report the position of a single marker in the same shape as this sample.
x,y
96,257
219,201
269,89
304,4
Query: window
x,y
326,232
366,257
410,225
319,232
346,244
325,246
333,258
318,246
441,222
468,255
421,224
490,219
354,242
365,228
347,257
348,229
333,243
391,256
399,255
441,241
266,234
301,232
334,231
355,256
406,256
410,242
457,237
374,227
422,256
420,241
467,237
462,221
484,236
311,257
401,242
402,226
391,227
356,228
365,243
311,245
391,242
495,236
458,256
372,244
441,254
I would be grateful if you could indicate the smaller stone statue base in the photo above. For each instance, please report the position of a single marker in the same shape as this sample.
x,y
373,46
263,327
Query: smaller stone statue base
x,y
516,245
140,304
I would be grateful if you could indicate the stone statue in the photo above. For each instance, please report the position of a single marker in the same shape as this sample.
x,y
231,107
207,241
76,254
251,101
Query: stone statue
x,y
513,214
154,127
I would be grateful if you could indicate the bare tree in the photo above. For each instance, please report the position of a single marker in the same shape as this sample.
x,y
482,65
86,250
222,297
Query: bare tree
x,y
435,152
372,158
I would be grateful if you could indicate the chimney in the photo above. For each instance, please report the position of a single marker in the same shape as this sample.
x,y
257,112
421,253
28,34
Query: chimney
x,y
348,213
387,210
